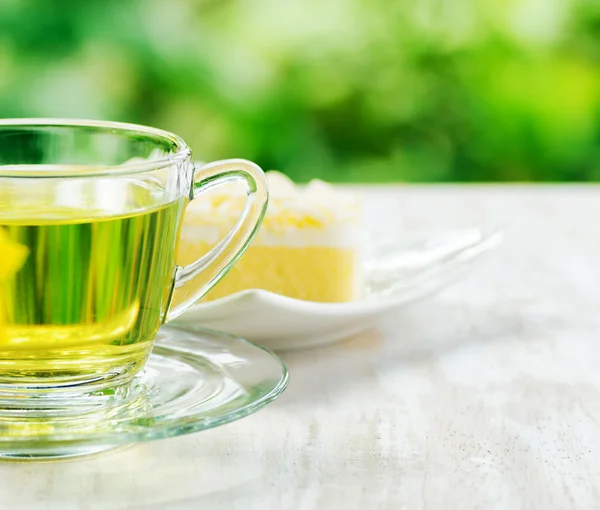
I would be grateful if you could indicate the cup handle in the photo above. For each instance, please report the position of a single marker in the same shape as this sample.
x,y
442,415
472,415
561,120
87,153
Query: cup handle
x,y
216,263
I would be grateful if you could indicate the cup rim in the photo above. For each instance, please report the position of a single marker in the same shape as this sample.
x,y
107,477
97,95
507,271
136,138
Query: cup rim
x,y
182,152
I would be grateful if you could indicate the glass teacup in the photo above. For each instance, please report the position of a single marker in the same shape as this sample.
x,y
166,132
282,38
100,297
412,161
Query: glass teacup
x,y
92,211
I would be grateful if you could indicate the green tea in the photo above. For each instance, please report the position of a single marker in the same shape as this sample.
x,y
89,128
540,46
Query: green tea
x,y
91,295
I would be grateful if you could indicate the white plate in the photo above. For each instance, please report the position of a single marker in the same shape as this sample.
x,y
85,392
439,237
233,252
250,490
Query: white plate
x,y
398,271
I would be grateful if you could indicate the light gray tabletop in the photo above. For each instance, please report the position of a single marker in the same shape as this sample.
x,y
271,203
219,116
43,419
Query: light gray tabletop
x,y
487,396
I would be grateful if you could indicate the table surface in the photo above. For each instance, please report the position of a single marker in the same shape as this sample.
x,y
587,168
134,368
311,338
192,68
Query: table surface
x,y
487,396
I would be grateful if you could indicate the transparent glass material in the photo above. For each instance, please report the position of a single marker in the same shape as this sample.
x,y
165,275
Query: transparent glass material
x,y
194,380
96,209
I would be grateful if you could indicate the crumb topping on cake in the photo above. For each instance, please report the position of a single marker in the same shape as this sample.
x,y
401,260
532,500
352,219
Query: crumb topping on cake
x,y
314,206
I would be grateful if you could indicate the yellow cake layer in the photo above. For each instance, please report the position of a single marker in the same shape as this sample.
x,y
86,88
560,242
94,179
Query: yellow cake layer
x,y
324,274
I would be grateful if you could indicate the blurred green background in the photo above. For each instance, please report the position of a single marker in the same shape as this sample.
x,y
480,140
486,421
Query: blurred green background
x,y
344,90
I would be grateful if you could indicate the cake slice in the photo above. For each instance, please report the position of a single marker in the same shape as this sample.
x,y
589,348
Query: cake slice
x,y
308,248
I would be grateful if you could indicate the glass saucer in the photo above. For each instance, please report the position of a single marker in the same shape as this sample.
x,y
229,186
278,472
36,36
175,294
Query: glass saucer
x,y
195,379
